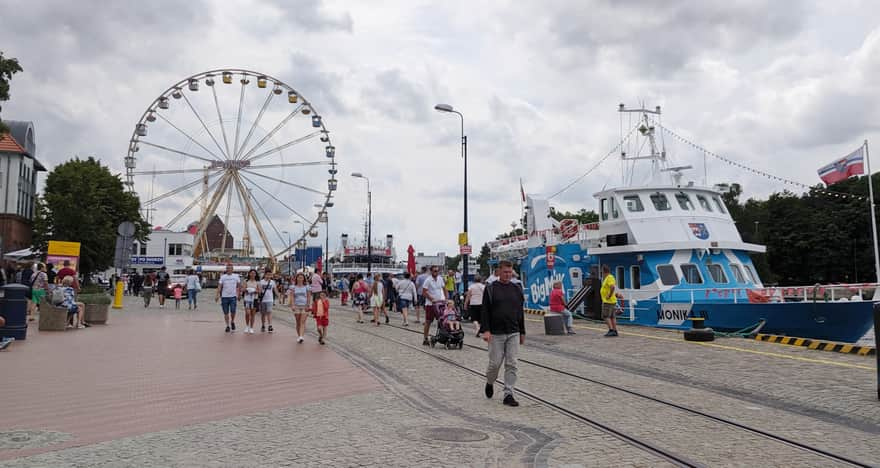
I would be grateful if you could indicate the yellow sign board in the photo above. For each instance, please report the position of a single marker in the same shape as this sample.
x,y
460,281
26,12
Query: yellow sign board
x,y
462,238
67,249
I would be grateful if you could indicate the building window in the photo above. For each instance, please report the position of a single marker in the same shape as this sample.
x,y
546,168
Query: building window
x,y
143,249
175,249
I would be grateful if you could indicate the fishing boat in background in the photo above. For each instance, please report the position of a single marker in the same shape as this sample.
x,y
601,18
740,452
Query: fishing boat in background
x,y
675,253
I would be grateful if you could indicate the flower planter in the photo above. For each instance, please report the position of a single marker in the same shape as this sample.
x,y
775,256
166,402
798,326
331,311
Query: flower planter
x,y
97,313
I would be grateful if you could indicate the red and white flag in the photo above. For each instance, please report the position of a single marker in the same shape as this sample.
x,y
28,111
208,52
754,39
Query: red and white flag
x,y
844,168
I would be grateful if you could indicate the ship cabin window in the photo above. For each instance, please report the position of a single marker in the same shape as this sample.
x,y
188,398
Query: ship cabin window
x,y
614,213
684,201
661,203
633,203
603,208
737,273
667,275
704,203
635,278
719,204
620,277
752,275
717,273
691,273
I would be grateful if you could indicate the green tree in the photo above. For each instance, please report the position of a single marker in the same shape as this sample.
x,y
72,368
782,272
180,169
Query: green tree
x,y
8,67
83,202
483,260
583,215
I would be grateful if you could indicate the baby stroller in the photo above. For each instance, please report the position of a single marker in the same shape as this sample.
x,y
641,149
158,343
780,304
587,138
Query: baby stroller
x,y
449,332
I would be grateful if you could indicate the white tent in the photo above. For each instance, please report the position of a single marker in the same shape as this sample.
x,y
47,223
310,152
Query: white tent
x,y
20,255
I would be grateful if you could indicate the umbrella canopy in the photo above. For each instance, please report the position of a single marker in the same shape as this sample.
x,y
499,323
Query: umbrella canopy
x,y
411,260
21,254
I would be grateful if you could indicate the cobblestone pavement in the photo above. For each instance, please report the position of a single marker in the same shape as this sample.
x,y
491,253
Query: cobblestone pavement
x,y
695,436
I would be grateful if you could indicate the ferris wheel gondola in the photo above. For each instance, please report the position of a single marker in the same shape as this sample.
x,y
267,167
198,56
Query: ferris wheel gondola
x,y
232,165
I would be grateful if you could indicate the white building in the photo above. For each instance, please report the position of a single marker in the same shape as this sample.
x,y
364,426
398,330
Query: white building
x,y
423,260
172,249
18,184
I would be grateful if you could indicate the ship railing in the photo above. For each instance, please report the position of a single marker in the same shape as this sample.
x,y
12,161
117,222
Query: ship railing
x,y
817,292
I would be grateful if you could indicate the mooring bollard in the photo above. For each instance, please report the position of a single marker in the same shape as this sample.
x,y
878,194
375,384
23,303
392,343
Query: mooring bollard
x,y
699,331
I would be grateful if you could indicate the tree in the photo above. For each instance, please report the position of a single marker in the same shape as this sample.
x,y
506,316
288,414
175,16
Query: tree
x,y
83,202
483,260
452,262
8,67
583,215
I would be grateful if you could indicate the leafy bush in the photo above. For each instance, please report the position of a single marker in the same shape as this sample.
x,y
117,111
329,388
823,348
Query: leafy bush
x,y
93,289
94,298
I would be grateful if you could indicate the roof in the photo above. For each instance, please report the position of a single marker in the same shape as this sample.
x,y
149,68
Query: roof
x,y
9,145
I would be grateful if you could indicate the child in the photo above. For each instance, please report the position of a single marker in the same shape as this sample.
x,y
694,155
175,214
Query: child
x,y
75,310
178,295
452,323
321,312
557,305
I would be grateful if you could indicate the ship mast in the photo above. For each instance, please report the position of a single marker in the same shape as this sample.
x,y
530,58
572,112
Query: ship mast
x,y
657,158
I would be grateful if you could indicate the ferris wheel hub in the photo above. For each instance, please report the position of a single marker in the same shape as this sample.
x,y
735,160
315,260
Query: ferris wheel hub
x,y
230,164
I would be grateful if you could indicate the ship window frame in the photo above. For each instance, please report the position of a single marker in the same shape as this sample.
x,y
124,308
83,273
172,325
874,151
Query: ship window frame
x,y
635,276
686,268
719,204
684,201
615,213
656,197
620,276
704,202
633,207
737,273
603,209
753,275
717,268
663,272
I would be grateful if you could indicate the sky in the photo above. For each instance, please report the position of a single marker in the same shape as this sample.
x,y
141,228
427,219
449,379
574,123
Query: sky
x,y
784,87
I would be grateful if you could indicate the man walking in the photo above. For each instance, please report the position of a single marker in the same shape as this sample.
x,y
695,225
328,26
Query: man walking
x,y
434,293
228,290
503,326
609,295
162,278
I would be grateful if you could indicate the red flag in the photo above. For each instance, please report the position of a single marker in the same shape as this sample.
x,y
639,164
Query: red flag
x,y
850,165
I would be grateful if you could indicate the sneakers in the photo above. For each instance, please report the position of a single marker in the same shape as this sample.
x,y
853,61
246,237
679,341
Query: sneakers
x,y
571,332
490,390
509,401
386,319
425,342
405,324
227,328
299,340
321,340
263,329
611,333
271,329
232,325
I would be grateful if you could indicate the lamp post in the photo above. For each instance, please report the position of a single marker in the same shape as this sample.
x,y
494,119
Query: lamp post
x,y
369,222
289,259
324,218
464,257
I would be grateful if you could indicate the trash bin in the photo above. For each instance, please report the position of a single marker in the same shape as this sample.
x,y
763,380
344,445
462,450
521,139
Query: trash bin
x,y
13,307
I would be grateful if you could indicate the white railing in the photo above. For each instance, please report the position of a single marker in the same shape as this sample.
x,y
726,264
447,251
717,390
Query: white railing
x,y
818,292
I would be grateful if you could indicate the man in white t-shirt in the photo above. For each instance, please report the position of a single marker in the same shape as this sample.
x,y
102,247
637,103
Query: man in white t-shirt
x,y
268,287
228,290
433,290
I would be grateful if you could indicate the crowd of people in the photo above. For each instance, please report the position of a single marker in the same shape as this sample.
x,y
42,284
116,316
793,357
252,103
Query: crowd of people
x,y
45,284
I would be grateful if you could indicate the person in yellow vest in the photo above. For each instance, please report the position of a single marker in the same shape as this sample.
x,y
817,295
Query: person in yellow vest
x,y
610,295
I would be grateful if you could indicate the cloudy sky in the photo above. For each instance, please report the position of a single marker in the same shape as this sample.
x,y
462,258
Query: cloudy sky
x,y
781,86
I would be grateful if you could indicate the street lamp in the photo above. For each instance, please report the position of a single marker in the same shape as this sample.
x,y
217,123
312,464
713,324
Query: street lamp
x,y
296,221
289,259
464,257
369,222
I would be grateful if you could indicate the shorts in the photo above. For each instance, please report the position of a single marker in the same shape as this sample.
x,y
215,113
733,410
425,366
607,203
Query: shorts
x,y
360,299
322,321
73,310
608,310
265,308
474,312
420,301
431,313
376,301
404,303
37,295
228,305
162,289
248,304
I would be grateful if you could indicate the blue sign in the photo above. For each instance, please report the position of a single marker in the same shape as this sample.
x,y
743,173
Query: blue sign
x,y
140,260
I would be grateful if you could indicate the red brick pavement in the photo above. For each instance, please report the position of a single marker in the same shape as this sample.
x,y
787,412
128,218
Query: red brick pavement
x,y
151,370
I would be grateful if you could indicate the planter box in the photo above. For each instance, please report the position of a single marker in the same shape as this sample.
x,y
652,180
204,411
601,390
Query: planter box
x,y
52,318
97,313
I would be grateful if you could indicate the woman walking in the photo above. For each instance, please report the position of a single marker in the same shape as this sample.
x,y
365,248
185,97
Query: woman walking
x,y
149,283
251,289
406,296
193,286
377,302
39,285
473,302
360,291
299,303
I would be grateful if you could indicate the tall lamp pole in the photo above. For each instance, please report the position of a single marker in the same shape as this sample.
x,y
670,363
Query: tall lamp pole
x,y
464,257
369,222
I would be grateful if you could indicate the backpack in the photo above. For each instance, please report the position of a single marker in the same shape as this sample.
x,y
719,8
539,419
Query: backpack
x,y
57,296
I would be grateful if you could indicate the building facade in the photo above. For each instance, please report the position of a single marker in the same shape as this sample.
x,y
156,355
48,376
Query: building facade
x,y
171,249
18,184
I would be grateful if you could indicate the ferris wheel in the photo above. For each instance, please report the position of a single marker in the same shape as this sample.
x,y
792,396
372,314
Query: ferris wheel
x,y
243,147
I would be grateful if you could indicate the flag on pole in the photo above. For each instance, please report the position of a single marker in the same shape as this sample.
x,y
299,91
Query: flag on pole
x,y
522,191
850,165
